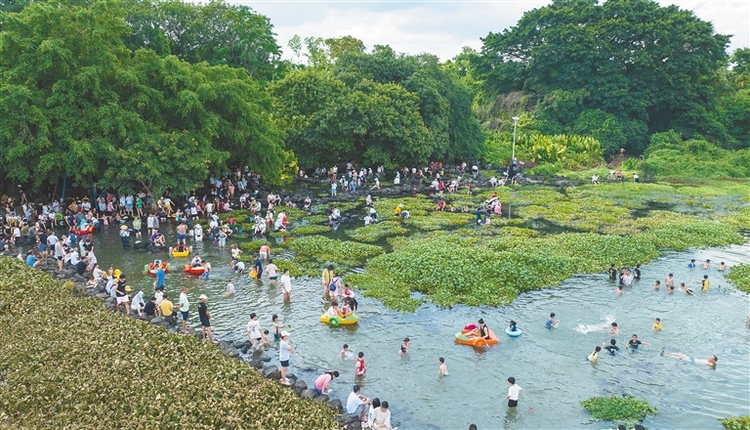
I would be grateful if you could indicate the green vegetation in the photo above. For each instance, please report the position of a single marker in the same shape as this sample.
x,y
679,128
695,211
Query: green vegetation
x,y
736,423
740,277
618,408
374,108
377,232
76,103
61,362
669,156
318,250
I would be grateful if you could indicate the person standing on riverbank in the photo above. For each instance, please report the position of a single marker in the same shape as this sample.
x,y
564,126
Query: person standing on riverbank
x,y
285,350
205,316
184,306
513,392
254,332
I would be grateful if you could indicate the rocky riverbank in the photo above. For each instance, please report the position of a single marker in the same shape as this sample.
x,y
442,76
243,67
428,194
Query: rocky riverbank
x,y
237,349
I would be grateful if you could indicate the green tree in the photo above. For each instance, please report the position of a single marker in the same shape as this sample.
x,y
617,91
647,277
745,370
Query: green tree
x,y
216,32
418,110
75,102
630,58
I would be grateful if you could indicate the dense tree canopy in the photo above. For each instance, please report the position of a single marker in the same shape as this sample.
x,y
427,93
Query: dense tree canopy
x,y
376,108
632,59
76,102
216,32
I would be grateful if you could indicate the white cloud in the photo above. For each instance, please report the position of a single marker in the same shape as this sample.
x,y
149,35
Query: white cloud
x,y
443,28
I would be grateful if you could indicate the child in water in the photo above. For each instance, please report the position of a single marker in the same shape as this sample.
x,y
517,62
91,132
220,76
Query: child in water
x,y
512,326
691,265
613,329
722,267
594,355
443,368
551,322
612,347
345,353
657,285
686,289
657,325
404,346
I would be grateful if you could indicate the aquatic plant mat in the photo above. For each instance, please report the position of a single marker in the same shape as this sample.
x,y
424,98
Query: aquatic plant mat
x,y
545,235
618,409
69,363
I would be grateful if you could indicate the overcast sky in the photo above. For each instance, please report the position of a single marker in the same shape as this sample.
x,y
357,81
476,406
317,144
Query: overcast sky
x,y
444,27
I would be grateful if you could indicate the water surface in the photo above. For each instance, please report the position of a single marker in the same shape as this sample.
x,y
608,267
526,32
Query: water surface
x,y
549,364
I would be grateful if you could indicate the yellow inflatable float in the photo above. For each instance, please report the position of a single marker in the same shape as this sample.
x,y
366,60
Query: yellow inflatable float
x,y
336,321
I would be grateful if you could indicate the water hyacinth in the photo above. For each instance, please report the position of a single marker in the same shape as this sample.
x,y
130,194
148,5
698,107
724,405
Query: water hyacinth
x,y
73,364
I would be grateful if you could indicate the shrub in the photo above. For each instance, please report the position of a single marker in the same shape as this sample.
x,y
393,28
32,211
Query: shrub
x,y
736,423
740,277
618,408
65,362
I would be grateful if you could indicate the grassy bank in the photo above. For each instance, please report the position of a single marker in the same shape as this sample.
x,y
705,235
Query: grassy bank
x,y
546,235
70,363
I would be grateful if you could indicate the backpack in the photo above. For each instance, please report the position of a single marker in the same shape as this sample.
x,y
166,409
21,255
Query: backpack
x,y
332,286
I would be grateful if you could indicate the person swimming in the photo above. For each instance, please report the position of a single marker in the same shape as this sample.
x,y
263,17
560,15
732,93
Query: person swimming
x,y
657,325
686,289
710,362
613,329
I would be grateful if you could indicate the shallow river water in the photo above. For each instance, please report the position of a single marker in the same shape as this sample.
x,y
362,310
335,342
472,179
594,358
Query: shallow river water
x,y
550,365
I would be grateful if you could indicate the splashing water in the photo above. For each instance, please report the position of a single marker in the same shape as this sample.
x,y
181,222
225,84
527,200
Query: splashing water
x,y
608,319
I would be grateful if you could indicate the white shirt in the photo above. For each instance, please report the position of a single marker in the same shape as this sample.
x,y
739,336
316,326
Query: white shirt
x,y
286,283
253,329
184,303
240,266
353,402
230,288
513,391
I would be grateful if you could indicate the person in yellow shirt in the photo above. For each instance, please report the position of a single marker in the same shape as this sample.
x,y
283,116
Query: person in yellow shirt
x,y
327,277
657,325
167,310
704,283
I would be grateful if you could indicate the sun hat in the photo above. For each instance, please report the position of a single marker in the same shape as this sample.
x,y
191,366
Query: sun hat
x,y
203,297
284,333
123,227
128,289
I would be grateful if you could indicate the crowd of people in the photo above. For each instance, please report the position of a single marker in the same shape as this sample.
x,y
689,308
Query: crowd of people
x,y
37,226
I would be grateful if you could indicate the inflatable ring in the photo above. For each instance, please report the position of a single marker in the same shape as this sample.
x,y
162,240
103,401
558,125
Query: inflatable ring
x,y
334,322
513,333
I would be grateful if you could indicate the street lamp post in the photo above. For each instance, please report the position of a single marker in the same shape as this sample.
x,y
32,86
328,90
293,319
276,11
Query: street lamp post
x,y
513,151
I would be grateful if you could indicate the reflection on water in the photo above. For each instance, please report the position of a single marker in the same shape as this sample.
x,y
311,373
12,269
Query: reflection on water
x,y
550,365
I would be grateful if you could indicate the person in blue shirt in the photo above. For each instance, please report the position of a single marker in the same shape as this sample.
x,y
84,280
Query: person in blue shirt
x,y
691,265
551,322
31,259
159,283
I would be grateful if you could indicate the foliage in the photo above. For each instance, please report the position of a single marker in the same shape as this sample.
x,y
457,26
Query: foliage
x,y
220,392
669,156
618,408
377,232
374,108
579,55
216,32
736,423
311,229
323,250
740,276
75,102
570,151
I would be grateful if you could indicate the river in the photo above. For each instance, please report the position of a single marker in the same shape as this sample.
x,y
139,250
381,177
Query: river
x,y
550,365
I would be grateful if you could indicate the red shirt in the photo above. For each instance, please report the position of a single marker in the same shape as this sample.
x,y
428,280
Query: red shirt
x,y
359,367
